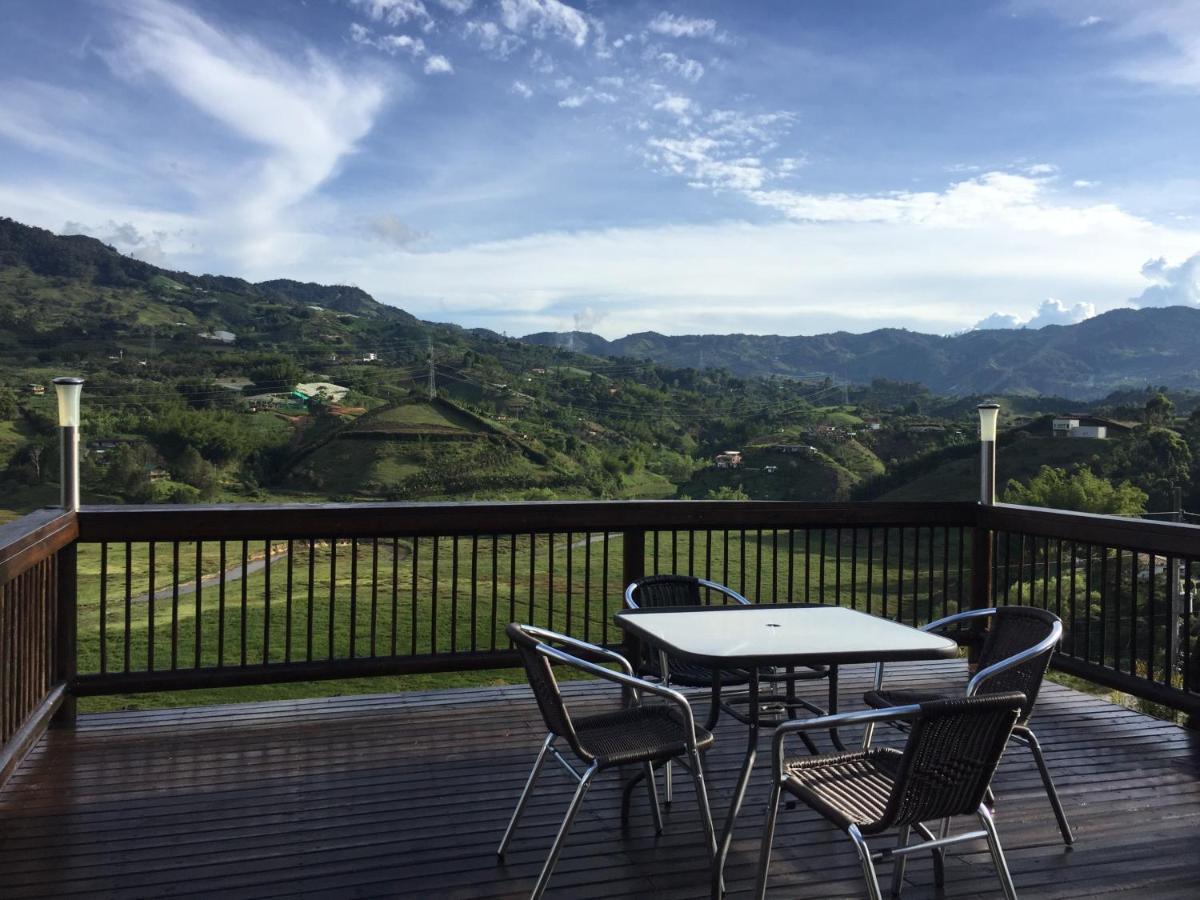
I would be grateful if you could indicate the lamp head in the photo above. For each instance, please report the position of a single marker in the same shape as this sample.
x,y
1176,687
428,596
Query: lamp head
x,y
988,414
68,390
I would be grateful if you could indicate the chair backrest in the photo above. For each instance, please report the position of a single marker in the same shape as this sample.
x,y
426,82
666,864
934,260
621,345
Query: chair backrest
x,y
1017,628
545,687
656,591
951,755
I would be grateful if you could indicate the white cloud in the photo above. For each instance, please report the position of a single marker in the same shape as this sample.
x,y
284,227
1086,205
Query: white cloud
x,y
389,43
496,43
1042,169
397,12
1051,312
125,237
438,65
573,102
1163,37
1084,183
1173,285
682,26
304,116
680,107
458,7
542,17
521,89
685,68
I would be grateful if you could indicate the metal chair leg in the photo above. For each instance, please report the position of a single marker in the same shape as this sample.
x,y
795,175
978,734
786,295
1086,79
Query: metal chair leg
x,y
768,838
529,782
559,839
667,782
868,735
710,833
1051,792
901,864
868,865
652,791
993,840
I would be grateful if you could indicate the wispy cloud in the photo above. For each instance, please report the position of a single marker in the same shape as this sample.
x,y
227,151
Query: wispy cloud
x,y
398,12
540,18
682,26
304,116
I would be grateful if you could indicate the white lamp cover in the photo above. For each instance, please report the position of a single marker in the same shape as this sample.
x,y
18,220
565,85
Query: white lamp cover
x,y
68,390
988,414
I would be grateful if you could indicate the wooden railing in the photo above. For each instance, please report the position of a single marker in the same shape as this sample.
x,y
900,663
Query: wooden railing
x,y
37,631
252,594
130,599
1124,588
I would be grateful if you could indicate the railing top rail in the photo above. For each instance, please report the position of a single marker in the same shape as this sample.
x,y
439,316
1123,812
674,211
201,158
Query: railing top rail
x,y
1169,538
32,538
248,521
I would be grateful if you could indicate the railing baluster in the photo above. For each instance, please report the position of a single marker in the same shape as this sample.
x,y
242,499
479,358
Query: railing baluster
x,y
587,586
244,630
416,544
821,570
474,591
175,606
791,578
884,580
374,595
1151,595
220,603
393,646
571,579
550,581
454,594
1104,597
198,630
495,587
266,601
604,587
151,562
308,625
128,640
331,627
353,597
433,586
837,567
758,555
870,566
1133,614
1116,611
287,612
854,568
103,608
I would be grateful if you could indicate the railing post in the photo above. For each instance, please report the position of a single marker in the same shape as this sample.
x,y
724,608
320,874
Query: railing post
x,y
65,663
633,567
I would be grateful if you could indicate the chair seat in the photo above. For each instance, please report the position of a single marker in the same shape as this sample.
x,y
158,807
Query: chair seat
x,y
637,734
846,788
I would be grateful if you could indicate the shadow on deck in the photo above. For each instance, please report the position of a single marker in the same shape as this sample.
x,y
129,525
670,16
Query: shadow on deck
x,y
408,794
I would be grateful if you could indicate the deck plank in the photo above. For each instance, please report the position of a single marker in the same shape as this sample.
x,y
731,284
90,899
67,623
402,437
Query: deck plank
x,y
407,795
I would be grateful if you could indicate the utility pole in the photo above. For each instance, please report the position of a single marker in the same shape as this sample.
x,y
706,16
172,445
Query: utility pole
x,y
432,375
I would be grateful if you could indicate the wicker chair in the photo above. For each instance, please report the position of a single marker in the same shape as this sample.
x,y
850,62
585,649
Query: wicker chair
x,y
1015,654
635,734
953,748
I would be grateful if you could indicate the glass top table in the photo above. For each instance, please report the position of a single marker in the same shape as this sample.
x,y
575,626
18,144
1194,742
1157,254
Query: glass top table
x,y
758,637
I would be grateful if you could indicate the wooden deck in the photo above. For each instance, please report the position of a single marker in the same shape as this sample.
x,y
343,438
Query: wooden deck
x,y
407,795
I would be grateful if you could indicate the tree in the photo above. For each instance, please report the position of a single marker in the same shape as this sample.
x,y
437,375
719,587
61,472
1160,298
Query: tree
x,y
1160,411
8,404
725,492
1080,490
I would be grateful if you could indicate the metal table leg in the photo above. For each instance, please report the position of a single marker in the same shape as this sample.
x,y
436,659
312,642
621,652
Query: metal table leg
x,y
739,794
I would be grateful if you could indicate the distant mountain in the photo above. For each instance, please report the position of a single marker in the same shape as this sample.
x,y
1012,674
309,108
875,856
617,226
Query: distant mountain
x,y
1118,349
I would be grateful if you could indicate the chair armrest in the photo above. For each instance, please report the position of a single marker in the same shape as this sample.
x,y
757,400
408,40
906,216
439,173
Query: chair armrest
x,y
938,625
631,682
582,647
724,589
863,717
1049,642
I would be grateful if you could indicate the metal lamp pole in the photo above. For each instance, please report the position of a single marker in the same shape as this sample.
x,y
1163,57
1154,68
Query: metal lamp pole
x,y
68,390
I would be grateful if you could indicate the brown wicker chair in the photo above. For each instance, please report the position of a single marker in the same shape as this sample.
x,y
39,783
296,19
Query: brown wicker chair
x,y
634,734
944,770
1015,654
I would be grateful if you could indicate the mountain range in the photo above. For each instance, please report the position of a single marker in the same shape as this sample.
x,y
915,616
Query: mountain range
x,y
1118,349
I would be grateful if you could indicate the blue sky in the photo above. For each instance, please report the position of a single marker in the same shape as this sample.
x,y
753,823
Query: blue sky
x,y
787,167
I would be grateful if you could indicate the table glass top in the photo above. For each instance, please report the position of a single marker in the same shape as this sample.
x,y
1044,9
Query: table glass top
x,y
766,631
